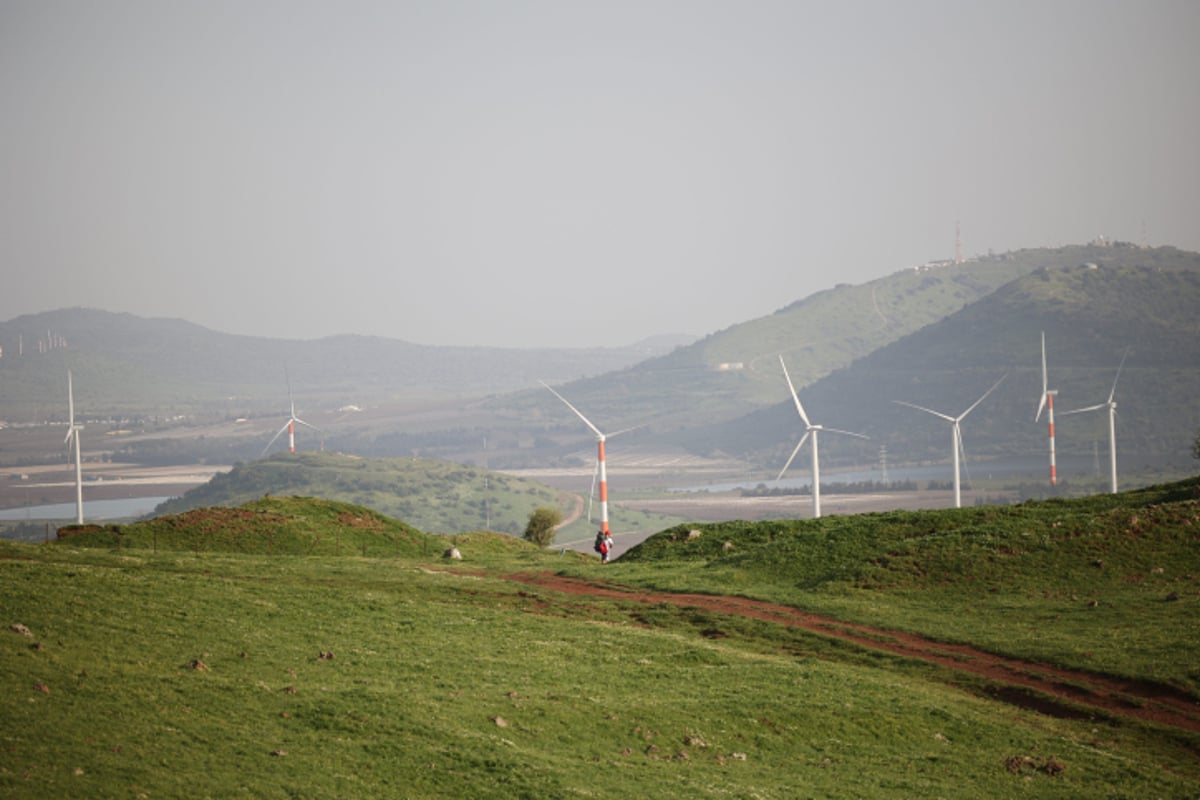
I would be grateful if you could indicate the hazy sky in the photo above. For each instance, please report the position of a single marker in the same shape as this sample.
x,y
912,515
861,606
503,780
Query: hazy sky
x,y
568,173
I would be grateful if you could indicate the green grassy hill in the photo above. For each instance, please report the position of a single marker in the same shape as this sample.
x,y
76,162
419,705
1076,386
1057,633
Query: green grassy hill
x,y
271,525
431,495
1091,317
126,672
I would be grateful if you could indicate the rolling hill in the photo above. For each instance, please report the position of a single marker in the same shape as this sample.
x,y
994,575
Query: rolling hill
x,y
935,335
1091,316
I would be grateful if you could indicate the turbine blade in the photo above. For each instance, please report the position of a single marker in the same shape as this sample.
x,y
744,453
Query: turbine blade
x,y
288,380
578,413
624,430
962,452
299,421
1045,381
946,417
985,394
592,493
1096,407
799,444
273,438
1113,392
847,433
70,400
795,396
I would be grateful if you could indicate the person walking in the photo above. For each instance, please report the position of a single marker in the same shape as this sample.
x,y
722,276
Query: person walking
x,y
607,548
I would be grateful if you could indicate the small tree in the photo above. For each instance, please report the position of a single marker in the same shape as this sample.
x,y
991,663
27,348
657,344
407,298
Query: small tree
x,y
542,522
1196,446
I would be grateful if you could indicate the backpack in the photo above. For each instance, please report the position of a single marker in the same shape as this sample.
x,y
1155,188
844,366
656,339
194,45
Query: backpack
x,y
599,542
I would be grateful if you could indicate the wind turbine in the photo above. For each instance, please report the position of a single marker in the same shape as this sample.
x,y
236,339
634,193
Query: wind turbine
x,y
1111,405
73,438
1047,402
600,466
955,432
813,430
290,425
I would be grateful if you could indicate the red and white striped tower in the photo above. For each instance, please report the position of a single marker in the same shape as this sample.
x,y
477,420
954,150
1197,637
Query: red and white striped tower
x,y
1050,418
1047,402
601,467
290,427
603,483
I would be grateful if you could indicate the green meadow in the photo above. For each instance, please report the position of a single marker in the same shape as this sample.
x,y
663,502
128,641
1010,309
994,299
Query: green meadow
x,y
305,649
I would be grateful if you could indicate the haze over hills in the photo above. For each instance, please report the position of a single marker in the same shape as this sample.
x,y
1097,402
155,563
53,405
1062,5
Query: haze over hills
x,y
936,335
126,364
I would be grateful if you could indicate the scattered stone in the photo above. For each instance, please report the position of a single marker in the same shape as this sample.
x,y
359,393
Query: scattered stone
x,y
1053,766
279,753
727,546
1172,597
1157,570
289,690
452,553
1093,603
41,687
941,737
1018,763
37,647
1098,564
17,627
325,655
694,534
627,751
738,756
501,722
198,665
694,740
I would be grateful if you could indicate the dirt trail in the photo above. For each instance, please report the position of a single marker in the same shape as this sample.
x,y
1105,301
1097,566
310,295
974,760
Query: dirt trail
x,y
1050,689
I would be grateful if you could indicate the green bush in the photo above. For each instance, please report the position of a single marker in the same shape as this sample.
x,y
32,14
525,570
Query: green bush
x,y
542,522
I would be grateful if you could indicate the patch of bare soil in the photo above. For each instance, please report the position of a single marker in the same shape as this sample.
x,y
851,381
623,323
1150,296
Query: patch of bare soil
x,y
1047,688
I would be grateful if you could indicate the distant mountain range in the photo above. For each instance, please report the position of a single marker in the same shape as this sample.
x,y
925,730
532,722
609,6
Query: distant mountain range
x,y
130,365
936,335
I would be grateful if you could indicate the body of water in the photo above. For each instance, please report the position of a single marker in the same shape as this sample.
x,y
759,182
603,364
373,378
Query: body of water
x,y
1026,468
93,510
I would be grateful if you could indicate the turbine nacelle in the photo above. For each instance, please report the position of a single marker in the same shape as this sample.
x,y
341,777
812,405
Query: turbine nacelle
x,y
956,431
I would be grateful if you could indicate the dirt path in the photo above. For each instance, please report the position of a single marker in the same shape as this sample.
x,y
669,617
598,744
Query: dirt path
x,y
575,514
1047,688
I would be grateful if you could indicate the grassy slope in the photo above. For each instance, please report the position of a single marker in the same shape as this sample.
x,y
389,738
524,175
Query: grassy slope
x,y
462,684
1079,582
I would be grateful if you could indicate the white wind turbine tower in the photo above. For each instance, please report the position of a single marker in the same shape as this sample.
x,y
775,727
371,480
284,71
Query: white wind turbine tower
x,y
73,438
1047,402
1111,405
813,430
290,425
955,432
600,465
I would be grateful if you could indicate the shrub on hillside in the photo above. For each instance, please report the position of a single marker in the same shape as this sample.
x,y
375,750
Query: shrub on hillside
x,y
542,522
